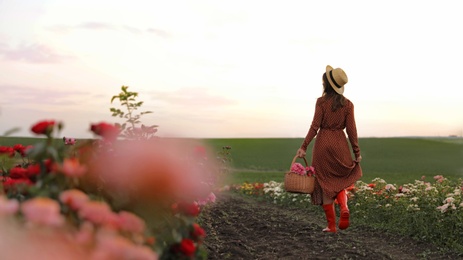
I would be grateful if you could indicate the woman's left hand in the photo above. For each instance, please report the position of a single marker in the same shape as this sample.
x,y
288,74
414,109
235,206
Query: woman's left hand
x,y
300,153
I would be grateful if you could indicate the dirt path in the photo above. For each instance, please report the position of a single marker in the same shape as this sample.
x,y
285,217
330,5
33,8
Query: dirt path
x,y
243,228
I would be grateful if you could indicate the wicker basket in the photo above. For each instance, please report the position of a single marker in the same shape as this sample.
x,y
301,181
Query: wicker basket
x,y
299,183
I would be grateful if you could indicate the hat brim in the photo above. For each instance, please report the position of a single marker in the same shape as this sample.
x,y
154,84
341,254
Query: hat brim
x,y
340,90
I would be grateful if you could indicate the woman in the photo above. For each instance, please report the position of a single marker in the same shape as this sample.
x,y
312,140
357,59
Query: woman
x,y
331,156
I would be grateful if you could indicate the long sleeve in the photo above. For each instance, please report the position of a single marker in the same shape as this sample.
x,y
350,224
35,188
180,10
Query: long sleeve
x,y
317,119
351,130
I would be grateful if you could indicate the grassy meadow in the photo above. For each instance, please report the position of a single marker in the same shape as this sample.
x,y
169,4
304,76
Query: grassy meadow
x,y
396,160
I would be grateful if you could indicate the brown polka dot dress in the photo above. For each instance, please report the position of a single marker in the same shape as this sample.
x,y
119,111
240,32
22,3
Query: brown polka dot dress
x,y
331,157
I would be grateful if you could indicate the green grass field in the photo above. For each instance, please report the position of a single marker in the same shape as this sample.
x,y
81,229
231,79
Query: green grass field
x,y
396,160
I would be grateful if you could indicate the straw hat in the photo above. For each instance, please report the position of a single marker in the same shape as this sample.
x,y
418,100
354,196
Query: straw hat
x,y
337,78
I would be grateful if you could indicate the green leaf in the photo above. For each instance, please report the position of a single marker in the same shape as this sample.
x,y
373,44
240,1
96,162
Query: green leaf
x,y
114,97
37,150
54,153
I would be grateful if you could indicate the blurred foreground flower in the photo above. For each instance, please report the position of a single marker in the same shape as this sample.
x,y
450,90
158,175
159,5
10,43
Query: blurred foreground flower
x,y
152,170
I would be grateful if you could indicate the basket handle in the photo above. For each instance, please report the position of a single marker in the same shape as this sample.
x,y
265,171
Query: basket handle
x,y
294,160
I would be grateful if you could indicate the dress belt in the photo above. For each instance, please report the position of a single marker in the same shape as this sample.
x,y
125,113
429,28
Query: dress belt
x,y
332,129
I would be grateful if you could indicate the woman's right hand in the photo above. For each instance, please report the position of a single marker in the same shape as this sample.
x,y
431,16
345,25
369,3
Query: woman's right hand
x,y
300,153
358,159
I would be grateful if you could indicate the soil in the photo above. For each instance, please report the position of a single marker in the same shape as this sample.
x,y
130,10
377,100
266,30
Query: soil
x,y
240,227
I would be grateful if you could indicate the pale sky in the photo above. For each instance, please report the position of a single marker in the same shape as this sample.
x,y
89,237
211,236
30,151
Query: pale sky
x,y
241,68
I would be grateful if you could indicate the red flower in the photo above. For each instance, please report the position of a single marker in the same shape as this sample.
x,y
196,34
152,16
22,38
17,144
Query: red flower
x,y
351,188
372,185
189,209
33,170
150,240
10,184
48,165
21,149
187,247
7,150
18,173
43,127
107,131
198,232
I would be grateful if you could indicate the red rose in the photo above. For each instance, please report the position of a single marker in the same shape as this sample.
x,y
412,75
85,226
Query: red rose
x,y
187,247
43,127
48,165
21,149
18,173
7,150
107,131
198,232
33,170
10,184
189,209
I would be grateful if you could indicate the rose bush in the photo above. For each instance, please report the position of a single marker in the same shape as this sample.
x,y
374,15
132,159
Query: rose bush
x,y
104,198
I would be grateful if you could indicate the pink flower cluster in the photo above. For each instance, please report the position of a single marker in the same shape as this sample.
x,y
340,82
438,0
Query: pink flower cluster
x,y
69,141
301,170
209,199
298,168
111,235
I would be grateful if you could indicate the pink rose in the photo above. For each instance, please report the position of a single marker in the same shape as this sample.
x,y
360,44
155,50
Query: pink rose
x,y
8,206
298,168
43,211
73,198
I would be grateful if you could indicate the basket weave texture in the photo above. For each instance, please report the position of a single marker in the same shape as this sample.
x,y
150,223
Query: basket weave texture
x,y
296,183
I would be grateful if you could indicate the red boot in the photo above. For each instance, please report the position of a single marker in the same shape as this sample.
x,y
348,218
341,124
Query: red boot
x,y
344,215
330,217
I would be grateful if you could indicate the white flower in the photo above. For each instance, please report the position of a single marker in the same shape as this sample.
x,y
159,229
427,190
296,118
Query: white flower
x,y
443,208
379,180
405,190
413,207
457,192
414,199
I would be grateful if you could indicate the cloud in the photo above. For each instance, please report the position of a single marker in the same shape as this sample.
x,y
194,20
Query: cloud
x,y
193,97
158,32
98,26
24,96
32,53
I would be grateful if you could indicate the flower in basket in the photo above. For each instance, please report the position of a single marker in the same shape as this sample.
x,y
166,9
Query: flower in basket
x,y
298,169
310,170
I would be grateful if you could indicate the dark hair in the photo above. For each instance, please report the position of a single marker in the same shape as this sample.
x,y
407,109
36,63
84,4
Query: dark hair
x,y
328,91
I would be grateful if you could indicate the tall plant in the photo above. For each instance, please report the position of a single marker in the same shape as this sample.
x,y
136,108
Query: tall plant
x,y
132,128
